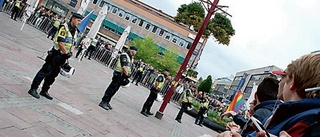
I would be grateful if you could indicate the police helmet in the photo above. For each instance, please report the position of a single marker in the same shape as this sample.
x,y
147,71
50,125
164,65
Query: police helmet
x,y
66,70
125,83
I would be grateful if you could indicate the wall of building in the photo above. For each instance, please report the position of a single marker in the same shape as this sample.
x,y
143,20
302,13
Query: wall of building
x,y
147,21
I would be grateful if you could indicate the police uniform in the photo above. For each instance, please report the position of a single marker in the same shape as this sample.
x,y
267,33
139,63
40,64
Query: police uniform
x,y
54,29
186,102
203,108
16,9
54,60
157,85
138,76
119,76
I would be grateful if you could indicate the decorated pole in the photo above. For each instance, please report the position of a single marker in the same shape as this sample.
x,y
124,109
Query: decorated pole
x,y
159,114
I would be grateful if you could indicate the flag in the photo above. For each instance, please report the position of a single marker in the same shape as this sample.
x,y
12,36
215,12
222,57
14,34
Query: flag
x,y
237,102
85,21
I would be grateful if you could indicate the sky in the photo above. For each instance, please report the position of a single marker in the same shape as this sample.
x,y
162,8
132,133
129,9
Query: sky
x,y
273,32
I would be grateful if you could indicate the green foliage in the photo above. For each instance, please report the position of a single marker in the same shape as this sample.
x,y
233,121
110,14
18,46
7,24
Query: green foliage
x,y
149,52
192,73
205,86
220,26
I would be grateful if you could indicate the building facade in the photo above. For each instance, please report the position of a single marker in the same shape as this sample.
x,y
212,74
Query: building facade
x,y
63,8
146,21
255,76
221,85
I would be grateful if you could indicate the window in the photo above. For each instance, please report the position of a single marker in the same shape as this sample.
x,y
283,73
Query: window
x,y
134,20
140,23
102,3
174,40
161,32
112,30
154,30
127,16
119,33
181,43
120,14
115,10
168,36
95,1
109,7
147,26
189,45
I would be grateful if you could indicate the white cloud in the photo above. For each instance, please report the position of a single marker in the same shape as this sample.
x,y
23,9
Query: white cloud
x,y
269,32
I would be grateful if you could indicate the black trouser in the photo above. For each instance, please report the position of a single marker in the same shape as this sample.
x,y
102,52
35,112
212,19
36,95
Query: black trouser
x,y
79,51
137,77
149,102
49,71
52,32
200,116
184,107
113,87
15,12
90,50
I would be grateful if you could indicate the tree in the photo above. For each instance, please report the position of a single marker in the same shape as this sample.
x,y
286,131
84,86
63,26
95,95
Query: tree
x,y
205,85
193,15
149,52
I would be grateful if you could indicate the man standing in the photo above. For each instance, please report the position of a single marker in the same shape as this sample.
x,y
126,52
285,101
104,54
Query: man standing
x,y
16,10
155,89
186,102
62,50
120,75
55,26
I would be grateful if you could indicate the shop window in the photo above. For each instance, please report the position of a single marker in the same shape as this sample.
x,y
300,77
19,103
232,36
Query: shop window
x,y
147,26
140,23
154,30
102,3
127,16
95,1
115,10
120,14
161,32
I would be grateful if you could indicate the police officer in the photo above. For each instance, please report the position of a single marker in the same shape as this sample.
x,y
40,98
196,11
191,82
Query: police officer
x,y
120,75
156,87
16,10
55,26
186,102
62,50
203,109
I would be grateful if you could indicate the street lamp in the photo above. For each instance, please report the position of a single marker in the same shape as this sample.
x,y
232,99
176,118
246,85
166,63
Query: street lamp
x,y
210,7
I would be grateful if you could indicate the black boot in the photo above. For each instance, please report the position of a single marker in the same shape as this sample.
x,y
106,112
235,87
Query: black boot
x,y
104,105
143,112
149,113
34,93
46,94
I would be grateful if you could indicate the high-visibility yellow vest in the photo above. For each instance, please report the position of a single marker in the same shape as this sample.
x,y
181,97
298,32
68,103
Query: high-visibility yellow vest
x,y
56,23
66,34
185,97
128,67
160,84
17,4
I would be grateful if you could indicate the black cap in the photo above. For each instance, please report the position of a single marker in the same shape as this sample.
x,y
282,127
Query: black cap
x,y
133,48
77,15
167,69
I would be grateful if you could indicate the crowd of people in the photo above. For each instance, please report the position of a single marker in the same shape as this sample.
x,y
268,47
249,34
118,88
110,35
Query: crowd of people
x,y
298,91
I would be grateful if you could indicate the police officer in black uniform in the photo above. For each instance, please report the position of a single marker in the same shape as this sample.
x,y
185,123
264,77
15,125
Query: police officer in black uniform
x,y
120,76
155,89
62,50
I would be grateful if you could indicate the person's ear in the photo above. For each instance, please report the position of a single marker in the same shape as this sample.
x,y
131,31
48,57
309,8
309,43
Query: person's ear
x,y
292,83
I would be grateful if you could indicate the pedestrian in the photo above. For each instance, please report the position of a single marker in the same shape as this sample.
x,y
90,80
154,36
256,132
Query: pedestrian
x,y
91,48
139,73
155,89
120,75
16,10
57,56
202,110
186,102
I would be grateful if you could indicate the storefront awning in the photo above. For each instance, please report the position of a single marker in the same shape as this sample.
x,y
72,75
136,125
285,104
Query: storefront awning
x,y
110,25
